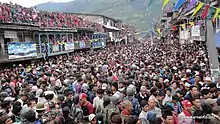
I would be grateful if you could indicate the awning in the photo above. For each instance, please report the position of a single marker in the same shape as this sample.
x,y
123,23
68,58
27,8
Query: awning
x,y
111,27
217,36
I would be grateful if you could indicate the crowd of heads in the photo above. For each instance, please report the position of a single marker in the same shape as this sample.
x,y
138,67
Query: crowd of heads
x,y
13,13
136,83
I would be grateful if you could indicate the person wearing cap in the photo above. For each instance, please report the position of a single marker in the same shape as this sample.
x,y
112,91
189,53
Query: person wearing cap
x,y
85,104
111,108
185,117
92,119
40,109
130,97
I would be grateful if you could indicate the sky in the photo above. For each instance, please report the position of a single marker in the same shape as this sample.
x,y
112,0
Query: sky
x,y
29,3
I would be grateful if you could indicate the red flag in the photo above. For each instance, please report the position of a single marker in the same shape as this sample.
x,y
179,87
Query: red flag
x,y
174,28
205,12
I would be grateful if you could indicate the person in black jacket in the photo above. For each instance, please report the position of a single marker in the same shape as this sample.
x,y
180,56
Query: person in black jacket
x,y
142,95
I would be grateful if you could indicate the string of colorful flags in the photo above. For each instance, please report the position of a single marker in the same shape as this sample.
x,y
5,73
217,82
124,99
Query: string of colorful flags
x,y
208,9
207,12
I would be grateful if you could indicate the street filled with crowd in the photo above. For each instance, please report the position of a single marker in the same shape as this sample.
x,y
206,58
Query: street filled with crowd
x,y
136,83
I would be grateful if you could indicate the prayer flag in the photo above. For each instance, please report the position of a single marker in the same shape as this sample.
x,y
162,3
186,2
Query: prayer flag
x,y
198,8
178,5
206,11
165,2
191,23
183,26
158,30
191,4
216,13
211,10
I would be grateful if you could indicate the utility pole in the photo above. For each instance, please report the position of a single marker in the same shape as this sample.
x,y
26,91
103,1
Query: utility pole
x,y
211,47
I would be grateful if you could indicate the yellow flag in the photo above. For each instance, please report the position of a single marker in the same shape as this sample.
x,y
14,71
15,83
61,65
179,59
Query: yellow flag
x,y
183,26
191,23
216,13
165,2
198,8
158,30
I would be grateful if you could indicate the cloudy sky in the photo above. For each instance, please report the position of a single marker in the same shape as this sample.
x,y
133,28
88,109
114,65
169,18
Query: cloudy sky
x,y
29,3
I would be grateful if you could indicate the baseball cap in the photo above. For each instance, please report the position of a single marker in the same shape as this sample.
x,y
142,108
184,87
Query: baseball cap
x,y
83,95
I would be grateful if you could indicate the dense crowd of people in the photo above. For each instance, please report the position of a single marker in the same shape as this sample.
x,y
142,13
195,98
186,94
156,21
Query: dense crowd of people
x,y
137,83
13,13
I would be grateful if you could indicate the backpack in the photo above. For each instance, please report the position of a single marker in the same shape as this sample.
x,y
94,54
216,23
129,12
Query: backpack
x,y
77,113
109,110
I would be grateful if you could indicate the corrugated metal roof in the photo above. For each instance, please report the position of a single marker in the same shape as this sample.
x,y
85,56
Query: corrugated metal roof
x,y
18,27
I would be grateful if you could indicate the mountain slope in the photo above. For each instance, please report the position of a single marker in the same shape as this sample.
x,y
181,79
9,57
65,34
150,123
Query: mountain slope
x,y
135,12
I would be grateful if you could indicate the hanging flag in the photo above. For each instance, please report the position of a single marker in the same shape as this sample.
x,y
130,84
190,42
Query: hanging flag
x,y
198,8
158,30
211,11
150,2
206,11
191,23
165,2
167,29
191,4
183,26
216,13
178,5
174,28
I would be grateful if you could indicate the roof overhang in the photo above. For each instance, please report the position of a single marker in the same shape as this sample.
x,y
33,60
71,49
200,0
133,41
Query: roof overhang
x,y
111,27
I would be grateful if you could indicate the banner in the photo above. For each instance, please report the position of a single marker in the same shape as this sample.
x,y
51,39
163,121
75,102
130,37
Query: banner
x,y
195,31
10,34
69,46
98,44
82,44
21,50
184,35
56,48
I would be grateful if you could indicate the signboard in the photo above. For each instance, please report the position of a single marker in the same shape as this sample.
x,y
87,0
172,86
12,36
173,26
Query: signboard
x,y
195,31
184,35
55,48
82,44
10,34
97,44
69,46
215,73
21,49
